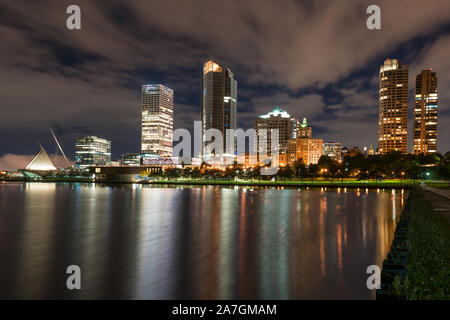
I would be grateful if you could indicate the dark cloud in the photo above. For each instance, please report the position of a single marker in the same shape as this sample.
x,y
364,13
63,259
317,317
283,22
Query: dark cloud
x,y
313,58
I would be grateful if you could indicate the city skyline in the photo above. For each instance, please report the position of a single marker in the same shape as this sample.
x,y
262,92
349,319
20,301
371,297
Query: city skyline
x,y
190,154
107,105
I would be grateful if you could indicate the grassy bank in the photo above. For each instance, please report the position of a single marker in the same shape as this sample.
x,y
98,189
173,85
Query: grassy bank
x,y
318,182
52,179
439,184
349,183
429,249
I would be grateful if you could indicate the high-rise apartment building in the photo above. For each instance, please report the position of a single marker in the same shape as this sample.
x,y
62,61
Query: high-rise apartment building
x,y
157,120
393,107
276,120
92,150
425,113
219,102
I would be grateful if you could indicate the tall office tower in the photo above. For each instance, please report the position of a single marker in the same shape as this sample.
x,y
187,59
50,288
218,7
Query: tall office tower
x,y
425,113
393,108
92,150
219,102
276,120
157,120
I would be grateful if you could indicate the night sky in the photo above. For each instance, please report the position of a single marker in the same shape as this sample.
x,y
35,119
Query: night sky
x,y
316,59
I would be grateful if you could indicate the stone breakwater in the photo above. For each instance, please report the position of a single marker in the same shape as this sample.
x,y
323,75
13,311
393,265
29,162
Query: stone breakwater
x,y
395,266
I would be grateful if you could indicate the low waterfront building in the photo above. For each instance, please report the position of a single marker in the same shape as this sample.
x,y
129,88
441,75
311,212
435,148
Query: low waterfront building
x,y
41,162
304,148
92,150
131,159
332,150
41,165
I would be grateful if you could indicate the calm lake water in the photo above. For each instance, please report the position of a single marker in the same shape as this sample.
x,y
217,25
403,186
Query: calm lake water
x,y
144,242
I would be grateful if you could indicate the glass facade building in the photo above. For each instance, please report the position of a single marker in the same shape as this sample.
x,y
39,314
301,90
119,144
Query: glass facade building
x,y
219,102
425,113
91,151
157,120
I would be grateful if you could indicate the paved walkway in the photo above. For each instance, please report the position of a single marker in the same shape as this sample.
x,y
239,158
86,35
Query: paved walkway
x,y
440,202
442,192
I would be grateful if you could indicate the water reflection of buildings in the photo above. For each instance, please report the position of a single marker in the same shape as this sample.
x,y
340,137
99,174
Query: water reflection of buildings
x,y
35,245
209,242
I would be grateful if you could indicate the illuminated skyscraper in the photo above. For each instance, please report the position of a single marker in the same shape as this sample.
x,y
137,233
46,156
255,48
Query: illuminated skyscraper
x,y
393,108
219,101
157,120
425,113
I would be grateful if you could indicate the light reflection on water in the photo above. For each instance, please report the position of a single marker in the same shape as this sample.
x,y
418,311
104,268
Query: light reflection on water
x,y
144,242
